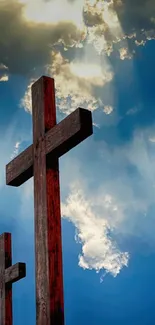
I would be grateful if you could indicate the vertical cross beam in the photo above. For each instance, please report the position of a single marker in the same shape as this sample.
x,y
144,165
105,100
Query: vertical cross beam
x,y
8,274
49,277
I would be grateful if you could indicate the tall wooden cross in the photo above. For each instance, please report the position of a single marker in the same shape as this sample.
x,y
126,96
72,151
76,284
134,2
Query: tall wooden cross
x,y
50,141
8,274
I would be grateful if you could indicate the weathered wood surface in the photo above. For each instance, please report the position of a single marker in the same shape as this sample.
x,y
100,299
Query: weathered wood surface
x,y
49,278
15,272
50,141
61,138
8,274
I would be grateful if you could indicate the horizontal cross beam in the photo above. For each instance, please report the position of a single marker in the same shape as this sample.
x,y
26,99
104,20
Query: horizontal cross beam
x,y
15,272
67,134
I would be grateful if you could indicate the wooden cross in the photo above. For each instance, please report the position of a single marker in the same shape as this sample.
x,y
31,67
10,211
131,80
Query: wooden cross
x,y
8,274
50,141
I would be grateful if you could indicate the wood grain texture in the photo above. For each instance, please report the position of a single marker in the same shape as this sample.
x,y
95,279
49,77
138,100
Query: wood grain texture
x,y
50,141
49,279
60,139
8,275
15,272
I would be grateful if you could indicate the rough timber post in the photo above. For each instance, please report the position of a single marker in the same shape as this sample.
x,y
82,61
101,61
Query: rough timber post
x,y
8,274
51,141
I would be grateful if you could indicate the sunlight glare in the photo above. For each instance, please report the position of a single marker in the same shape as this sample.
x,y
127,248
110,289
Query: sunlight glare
x,y
54,11
86,71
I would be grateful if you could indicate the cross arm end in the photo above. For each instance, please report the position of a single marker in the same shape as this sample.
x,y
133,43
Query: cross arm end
x,y
20,168
75,128
15,272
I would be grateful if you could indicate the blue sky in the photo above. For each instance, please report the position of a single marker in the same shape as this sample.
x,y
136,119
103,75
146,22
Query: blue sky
x,y
101,55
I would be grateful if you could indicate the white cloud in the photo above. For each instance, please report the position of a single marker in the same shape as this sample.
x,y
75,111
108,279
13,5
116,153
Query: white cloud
x,y
4,73
111,24
124,53
103,25
26,101
99,251
74,82
108,109
6,144
4,78
54,11
16,150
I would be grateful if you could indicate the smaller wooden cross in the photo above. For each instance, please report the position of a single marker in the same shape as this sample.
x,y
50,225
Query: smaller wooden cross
x,y
8,274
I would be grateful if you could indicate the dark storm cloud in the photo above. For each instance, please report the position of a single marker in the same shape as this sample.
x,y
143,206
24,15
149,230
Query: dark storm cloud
x,y
135,15
24,45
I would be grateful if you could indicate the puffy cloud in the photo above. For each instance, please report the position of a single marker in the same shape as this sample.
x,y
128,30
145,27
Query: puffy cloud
x,y
99,251
104,27
74,82
124,53
4,78
108,109
119,24
3,73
